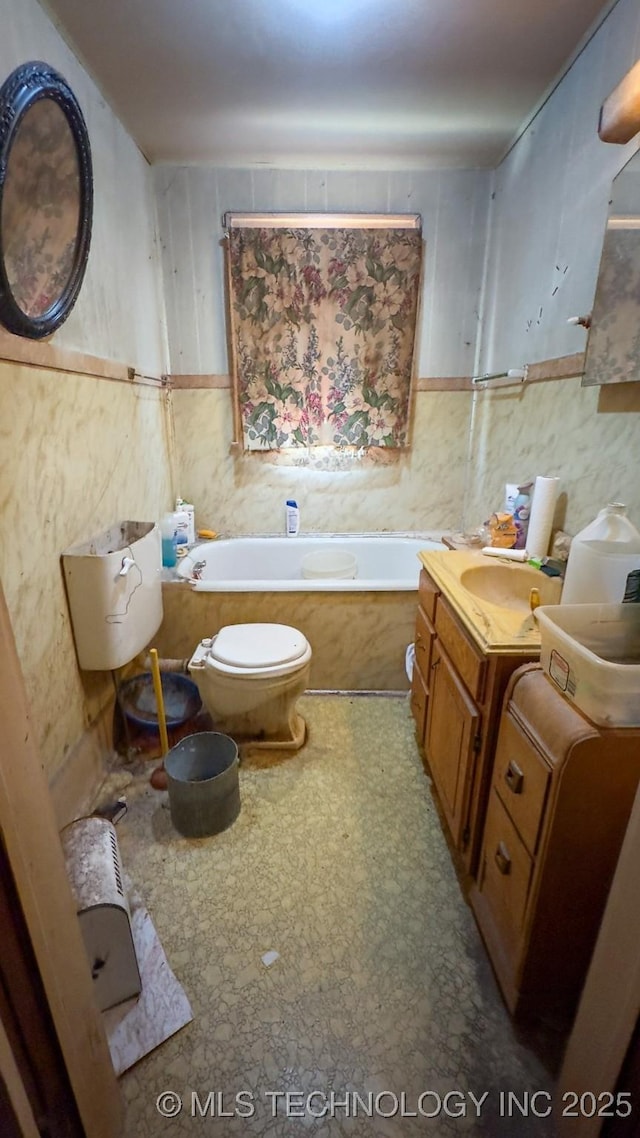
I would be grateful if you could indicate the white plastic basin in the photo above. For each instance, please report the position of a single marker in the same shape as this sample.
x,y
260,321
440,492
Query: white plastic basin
x,y
592,654
329,563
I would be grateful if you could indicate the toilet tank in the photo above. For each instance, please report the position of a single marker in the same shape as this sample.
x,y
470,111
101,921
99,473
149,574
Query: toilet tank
x,y
114,592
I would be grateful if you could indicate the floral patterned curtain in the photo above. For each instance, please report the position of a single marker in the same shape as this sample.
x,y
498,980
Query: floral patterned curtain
x,y
323,327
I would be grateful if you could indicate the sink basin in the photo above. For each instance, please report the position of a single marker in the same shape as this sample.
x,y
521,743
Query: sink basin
x,y
509,586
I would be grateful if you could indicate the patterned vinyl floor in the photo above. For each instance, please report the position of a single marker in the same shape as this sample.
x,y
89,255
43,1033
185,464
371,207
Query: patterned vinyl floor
x,y
380,1016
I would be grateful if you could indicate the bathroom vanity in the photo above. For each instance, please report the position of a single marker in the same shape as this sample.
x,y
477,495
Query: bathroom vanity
x,y
561,794
535,796
467,646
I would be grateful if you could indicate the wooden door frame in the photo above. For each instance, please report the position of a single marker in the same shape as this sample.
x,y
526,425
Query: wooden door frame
x,y
35,857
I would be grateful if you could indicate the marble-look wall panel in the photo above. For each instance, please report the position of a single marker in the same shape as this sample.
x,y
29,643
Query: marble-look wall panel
x,y
358,640
76,455
120,310
421,489
557,429
453,205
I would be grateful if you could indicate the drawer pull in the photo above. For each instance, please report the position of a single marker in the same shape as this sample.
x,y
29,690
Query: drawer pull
x,y
514,777
503,860
435,664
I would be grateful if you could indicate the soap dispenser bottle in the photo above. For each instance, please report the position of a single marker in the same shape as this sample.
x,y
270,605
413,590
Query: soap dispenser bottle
x,y
292,515
168,534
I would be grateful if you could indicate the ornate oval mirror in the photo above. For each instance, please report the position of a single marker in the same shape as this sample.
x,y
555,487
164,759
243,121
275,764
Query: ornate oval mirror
x,y
46,200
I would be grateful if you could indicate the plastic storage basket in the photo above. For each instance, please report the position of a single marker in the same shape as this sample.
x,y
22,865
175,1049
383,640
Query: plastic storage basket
x,y
592,655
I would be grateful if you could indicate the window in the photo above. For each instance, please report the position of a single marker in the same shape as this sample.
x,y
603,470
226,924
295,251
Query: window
x,y
323,317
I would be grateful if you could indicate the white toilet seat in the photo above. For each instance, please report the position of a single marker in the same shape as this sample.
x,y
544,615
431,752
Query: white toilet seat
x,y
256,650
258,645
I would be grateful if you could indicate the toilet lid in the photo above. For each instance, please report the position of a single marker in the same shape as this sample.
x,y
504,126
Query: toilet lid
x,y
258,645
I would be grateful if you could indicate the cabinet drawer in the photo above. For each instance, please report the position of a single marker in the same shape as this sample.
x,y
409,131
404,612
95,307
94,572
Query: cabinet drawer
x,y
424,642
427,594
419,697
467,659
505,873
521,778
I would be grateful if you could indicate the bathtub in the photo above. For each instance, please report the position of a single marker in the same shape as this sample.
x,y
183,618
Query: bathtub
x,y
274,564
358,628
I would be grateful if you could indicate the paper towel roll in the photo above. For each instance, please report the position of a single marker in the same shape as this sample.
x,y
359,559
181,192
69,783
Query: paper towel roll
x,y
543,506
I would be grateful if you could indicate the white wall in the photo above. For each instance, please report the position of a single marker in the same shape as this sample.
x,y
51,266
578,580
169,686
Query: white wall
x,y
550,205
549,212
453,205
119,313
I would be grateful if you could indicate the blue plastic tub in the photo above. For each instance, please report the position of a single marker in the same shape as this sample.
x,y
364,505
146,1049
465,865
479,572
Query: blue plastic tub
x,y
138,701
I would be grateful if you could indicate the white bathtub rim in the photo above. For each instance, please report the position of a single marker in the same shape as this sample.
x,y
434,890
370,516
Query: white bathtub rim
x,y
419,535
318,585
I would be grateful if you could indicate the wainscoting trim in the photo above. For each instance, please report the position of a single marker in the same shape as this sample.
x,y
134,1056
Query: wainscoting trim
x,y
561,367
52,357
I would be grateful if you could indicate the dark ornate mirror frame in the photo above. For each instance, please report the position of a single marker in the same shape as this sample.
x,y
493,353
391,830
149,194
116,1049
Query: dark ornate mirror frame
x,y
24,87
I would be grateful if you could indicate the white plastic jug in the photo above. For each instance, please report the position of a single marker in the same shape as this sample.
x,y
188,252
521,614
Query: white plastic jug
x,y
601,557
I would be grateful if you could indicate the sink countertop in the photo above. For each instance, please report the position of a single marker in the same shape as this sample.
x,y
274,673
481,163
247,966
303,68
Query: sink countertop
x,y
495,629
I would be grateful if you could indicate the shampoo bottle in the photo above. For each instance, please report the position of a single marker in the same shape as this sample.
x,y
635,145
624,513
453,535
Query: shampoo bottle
x,y
292,518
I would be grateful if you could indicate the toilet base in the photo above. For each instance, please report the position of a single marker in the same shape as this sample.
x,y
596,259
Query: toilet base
x,y
260,712
258,737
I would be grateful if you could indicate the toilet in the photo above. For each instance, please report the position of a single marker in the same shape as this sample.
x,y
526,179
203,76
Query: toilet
x,y
250,677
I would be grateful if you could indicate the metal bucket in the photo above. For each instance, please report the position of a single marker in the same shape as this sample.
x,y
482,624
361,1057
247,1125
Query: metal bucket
x,y
203,785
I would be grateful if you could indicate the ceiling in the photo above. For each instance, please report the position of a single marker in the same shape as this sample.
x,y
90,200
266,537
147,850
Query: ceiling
x,y
384,84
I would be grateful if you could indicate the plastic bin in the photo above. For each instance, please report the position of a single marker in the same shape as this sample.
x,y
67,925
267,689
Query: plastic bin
x,y
592,655
203,785
137,698
327,563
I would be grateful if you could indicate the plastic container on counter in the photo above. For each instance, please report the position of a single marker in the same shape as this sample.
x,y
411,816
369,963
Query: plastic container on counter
x,y
591,653
601,557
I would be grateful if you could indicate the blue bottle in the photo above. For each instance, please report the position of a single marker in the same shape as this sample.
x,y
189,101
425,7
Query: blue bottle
x,y
168,533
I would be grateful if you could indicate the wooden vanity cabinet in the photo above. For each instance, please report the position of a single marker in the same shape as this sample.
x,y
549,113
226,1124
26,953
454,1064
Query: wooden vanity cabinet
x,y
561,795
456,695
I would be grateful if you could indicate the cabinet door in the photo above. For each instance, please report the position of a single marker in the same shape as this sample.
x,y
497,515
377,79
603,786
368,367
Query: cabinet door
x,y
419,698
452,728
